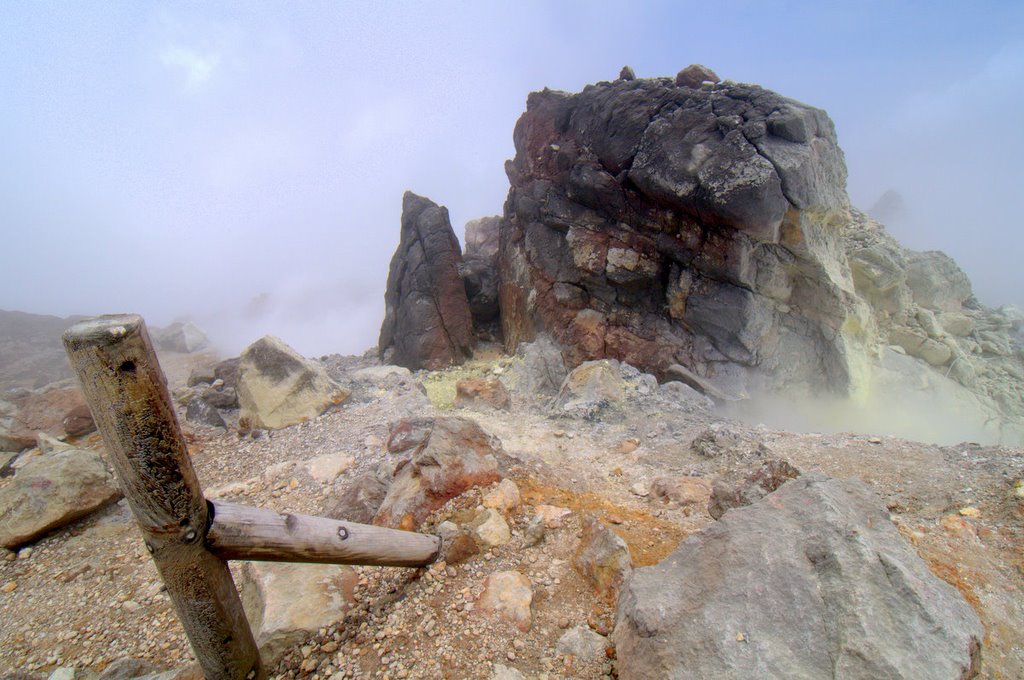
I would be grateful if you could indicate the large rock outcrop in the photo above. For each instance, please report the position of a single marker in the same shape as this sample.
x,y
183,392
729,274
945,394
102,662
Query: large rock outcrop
x,y
813,581
278,387
959,360
427,319
659,223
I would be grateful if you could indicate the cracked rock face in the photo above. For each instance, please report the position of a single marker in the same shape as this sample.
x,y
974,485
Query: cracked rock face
x,y
660,224
427,318
813,581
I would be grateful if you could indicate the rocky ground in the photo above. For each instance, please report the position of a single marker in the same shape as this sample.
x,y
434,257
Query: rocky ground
x,y
88,595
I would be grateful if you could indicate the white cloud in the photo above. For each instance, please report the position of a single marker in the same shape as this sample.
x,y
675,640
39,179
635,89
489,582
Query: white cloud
x,y
197,68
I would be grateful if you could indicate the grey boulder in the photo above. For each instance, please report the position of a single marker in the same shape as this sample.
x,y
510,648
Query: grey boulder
x,y
814,581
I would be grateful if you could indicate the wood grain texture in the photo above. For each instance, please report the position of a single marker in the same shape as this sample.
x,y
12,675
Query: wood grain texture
x,y
240,532
122,382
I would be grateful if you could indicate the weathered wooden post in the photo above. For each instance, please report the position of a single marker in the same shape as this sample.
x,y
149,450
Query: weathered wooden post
x,y
189,537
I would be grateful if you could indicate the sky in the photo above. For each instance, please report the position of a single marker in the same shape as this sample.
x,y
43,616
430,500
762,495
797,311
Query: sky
x,y
244,164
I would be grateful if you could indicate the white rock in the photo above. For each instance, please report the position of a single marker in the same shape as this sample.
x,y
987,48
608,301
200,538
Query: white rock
x,y
326,468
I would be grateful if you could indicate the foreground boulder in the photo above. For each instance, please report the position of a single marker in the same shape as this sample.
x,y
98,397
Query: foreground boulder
x,y
444,457
278,387
51,491
813,581
427,320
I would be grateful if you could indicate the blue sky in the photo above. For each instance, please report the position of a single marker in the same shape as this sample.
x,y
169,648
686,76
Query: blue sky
x,y
183,158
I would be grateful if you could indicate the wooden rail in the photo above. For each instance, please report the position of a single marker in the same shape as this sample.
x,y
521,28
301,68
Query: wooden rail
x,y
191,538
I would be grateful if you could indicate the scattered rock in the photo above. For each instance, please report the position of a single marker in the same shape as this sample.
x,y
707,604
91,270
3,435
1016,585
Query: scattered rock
x,y
695,75
181,337
552,515
360,500
502,672
51,491
475,392
603,558
198,411
44,411
816,580
277,387
737,490
490,528
427,319
127,668
48,444
917,344
583,643
590,387
718,440
446,457
701,385
686,492
15,442
326,468
383,376
508,595
459,548
539,370
504,498
534,533
288,603
227,371
201,374
220,397
78,421
628,445
936,281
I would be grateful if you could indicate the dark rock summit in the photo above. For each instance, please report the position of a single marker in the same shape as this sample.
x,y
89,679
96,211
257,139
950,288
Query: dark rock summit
x,y
661,224
427,319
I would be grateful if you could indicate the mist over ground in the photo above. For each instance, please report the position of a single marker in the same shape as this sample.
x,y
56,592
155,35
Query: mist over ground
x,y
244,164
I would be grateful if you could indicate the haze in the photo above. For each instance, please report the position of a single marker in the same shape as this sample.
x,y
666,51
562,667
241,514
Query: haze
x,y
244,164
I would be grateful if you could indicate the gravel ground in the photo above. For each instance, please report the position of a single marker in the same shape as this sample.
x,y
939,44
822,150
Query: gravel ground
x,y
88,594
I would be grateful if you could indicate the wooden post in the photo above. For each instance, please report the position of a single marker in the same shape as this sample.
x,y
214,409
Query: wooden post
x,y
125,389
239,532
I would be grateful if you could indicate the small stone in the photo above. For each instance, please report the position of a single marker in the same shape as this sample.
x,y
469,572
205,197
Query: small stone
x,y
501,672
628,445
639,489
740,637
490,528
583,643
552,515
970,512
9,587
24,553
130,606
534,532
508,595
504,498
